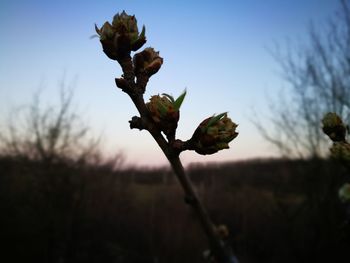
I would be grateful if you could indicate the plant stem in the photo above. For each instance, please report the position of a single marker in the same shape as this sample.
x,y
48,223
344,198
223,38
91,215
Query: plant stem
x,y
222,253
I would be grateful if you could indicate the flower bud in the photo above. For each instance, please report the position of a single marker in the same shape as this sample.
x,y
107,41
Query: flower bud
x,y
165,113
148,61
334,127
213,134
121,37
344,193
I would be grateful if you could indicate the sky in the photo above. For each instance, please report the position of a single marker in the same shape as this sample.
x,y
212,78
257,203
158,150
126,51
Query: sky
x,y
216,50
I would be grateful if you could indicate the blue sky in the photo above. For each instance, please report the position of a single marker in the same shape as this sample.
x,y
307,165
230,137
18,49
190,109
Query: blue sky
x,y
217,50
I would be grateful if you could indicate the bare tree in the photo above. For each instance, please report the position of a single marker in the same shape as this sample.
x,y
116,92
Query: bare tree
x,y
48,133
318,81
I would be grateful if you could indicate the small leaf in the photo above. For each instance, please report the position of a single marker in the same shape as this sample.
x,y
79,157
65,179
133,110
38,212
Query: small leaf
x,y
162,109
139,40
171,98
98,31
179,100
215,119
143,32
93,36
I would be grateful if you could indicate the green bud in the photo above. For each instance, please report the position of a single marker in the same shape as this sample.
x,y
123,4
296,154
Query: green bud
x,y
107,31
124,22
334,127
121,37
165,112
344,193
213,134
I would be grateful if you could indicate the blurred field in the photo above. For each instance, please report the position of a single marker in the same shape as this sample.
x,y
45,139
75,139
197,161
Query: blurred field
x,y
276,210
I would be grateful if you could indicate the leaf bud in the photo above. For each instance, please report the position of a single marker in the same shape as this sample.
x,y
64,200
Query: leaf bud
x,y
213,134
334,127
121,37
147,61
165,112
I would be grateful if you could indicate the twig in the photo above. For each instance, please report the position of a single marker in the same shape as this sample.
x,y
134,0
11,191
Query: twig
x,y
161,114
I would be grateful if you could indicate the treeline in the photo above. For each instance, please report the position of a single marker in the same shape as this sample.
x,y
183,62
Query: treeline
x,y
276,211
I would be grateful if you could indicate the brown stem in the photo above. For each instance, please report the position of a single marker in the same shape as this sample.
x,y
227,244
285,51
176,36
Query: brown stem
x,y
142,79
222,253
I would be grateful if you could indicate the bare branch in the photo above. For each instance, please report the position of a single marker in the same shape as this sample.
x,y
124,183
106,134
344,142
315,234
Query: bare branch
x,y
49,133
318,78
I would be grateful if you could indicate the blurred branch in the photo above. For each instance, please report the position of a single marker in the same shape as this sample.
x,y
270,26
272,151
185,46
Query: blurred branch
x,y
49,134
317,75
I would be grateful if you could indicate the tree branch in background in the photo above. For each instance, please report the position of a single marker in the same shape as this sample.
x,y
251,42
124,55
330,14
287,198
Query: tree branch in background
x,y
318,80
51,134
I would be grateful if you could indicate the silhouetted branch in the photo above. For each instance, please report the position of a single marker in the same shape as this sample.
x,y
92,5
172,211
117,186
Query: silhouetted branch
x,y
160,116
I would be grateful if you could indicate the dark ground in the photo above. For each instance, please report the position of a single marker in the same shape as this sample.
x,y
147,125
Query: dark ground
x,y
276,210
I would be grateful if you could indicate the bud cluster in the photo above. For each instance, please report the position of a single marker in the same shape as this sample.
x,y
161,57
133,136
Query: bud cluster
x,y
334,127
121,37
165,113
336,130
213,134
